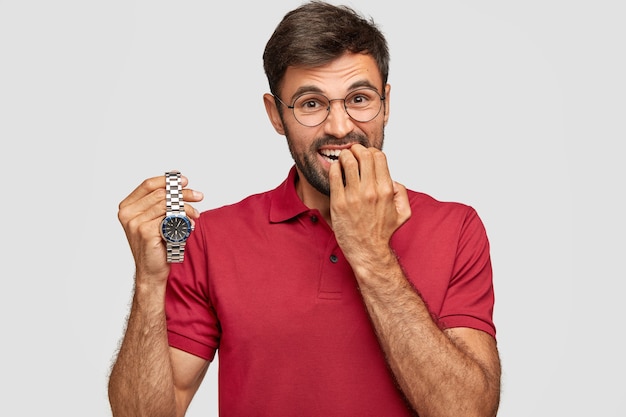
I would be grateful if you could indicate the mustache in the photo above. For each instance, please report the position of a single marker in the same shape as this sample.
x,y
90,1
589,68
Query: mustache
x,y
332,140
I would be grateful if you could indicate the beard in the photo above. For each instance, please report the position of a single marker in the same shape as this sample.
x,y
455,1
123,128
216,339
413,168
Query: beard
x,y
308,162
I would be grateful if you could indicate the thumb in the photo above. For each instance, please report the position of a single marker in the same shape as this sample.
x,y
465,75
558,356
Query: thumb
x,y
401,201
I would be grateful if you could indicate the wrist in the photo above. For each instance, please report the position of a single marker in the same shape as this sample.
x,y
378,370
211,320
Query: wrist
x,y
150,292
375,267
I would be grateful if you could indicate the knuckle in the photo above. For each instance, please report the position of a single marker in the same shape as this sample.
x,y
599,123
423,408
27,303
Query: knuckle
x,y
190,211
123,214
148,184
370,195
347,161
145,228
334,173
386,190
133,224
159,193
378,156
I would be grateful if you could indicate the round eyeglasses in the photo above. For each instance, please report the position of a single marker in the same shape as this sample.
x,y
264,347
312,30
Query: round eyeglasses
x,y
312,109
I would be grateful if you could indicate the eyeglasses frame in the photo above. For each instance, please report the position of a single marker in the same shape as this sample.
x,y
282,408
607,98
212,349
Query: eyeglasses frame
x,y
292,107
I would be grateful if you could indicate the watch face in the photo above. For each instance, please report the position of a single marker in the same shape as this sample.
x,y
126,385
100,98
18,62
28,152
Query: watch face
x,y
176,228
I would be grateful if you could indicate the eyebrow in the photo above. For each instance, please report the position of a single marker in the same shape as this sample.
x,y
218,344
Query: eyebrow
x,y
315,89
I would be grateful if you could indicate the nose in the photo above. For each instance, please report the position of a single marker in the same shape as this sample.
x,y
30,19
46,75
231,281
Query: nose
x,y
338,123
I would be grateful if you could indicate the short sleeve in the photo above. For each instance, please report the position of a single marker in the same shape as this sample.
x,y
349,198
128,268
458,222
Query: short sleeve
x,y
470,297
192,323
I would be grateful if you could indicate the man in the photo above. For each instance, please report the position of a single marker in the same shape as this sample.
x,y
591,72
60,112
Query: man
x,y
340,292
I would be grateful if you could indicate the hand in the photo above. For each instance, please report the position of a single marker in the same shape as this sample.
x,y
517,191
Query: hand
x,y
369,208
141,214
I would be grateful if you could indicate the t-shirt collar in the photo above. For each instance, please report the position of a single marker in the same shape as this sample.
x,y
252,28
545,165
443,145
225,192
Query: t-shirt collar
x,y
286,203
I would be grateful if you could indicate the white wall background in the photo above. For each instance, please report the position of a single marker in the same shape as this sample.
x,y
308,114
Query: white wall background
x,y
516,108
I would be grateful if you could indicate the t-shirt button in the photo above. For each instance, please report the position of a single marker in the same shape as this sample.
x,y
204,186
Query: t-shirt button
x,y
333,258
314,218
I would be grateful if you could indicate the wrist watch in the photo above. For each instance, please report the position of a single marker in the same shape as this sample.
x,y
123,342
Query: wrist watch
x,y
176,226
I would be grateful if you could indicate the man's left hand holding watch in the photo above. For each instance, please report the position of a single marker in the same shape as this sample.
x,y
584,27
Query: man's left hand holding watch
x,y
176,226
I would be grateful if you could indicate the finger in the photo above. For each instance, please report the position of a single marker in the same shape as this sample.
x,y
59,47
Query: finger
x,y
335,180
381,169
192,196
401,201
365,159
350,166
184,181
191,211
148,186
149,207
145,188
154,206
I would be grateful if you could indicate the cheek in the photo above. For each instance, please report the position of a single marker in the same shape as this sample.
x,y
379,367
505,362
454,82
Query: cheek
x,y
301,138
376,136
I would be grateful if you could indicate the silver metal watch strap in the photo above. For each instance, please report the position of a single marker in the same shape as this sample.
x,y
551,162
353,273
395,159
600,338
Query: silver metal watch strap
x,y
174,194
174,205
175,252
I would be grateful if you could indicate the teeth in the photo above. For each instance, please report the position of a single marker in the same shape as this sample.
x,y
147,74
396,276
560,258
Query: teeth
x,y
331,153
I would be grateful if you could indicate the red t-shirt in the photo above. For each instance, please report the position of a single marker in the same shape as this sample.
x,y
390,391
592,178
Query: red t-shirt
x,y
265,282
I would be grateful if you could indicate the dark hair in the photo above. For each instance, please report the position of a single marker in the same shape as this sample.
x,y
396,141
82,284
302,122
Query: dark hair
x,y
315,34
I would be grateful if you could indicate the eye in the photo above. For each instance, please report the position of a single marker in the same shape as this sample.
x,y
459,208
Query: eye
x,y
361,98
309,103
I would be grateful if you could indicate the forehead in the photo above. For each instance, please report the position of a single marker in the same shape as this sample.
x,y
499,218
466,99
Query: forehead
x,y
335,78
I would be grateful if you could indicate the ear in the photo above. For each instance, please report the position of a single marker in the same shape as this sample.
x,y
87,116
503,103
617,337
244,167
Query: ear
x,y
272,113
386,102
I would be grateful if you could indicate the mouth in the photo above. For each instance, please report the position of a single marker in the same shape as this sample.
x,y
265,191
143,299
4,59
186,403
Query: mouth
x,y
330,155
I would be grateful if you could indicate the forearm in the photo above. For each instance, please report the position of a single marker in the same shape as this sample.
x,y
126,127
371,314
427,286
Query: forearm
x,y
437,376
141,381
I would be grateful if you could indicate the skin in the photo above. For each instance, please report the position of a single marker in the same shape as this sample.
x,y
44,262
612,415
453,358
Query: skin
x,y
451,372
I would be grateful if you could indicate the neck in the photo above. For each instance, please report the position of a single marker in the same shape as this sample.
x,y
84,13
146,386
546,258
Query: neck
x,y
312,198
